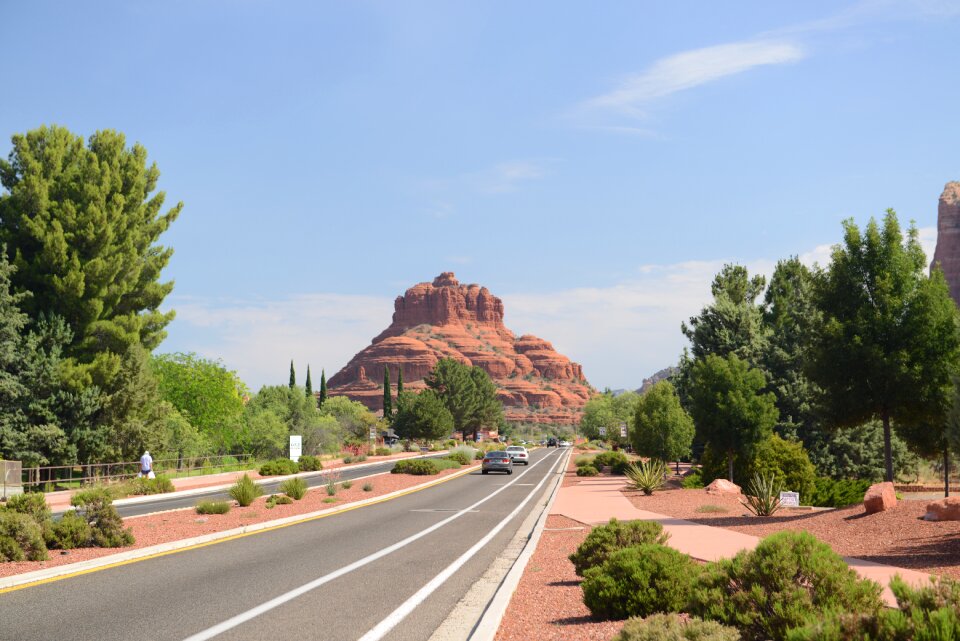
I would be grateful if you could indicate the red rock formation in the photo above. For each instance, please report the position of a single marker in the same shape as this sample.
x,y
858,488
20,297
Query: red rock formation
x,y
947,253
445,319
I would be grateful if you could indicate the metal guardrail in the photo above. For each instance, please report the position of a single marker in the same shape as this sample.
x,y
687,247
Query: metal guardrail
x,y
66,476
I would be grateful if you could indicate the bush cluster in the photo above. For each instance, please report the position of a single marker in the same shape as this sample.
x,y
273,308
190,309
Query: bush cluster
x,y
213,507
616,461
419,466
461,457
277,499
354,458
142,486
21,538
382,451
693,480
616,535
106,527
832,493
672,627
245,491
309,464
279,467
587,470
295,488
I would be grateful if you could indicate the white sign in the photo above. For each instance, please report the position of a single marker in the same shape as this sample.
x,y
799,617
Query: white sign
x,y
790,499
603,431
296,447
623,430
373,433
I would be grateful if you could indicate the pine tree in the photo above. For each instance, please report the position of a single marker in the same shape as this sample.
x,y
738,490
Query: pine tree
x,y
323,389
309,385
387,399
399,381
293,376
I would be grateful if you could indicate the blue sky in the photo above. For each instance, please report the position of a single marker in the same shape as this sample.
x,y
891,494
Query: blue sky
x,y
593,167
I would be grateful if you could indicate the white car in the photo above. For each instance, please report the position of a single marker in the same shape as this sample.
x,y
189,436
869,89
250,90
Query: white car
x,y
565,443
519,454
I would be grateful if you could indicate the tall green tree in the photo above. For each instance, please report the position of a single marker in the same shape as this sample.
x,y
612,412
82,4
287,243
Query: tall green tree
x,y
323,389
608,411
888,342
451,381
423,417
661,427
293,376
488,410
81,222
399,380
387,396
308,386
354,418
731,412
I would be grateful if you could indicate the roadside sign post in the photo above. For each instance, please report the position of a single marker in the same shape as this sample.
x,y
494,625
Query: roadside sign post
x,y
623,430
296,448
789,499
373,438
603,430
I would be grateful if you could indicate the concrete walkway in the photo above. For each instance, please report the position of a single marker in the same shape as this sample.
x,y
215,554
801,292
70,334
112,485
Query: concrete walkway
x,y
595,501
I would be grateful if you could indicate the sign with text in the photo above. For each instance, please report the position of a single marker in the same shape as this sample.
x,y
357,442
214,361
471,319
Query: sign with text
x,y
603,430
790,499
373,433
623,430
296,447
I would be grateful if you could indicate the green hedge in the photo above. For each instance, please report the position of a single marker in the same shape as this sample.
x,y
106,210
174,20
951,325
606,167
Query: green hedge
x,y
279,467
419,467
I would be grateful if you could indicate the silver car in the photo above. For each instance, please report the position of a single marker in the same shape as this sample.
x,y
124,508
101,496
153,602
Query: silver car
x,y
498,462
519,454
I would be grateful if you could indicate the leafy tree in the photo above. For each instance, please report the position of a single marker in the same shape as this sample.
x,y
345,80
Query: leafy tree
x,y
308,386
608,411
354,418
387,397
263,435
293,376
888,342
661,427
453,384
488,410
81,226
423,417
323,389
731,412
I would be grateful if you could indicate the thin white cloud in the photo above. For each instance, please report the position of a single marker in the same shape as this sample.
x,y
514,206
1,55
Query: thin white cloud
x,y
507,176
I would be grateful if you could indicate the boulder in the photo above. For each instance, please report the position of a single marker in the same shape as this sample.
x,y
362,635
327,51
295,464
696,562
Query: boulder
x,y
723,486
879,497
947,509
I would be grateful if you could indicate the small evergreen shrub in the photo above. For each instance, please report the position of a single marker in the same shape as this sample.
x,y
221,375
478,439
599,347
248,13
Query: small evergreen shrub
x,y
479,455
310,464
347,459
244,491
833,493
382,451
295,488
460,457
647,477
360,458
279,467
21,538
347,484
213,507
70,532
615,460
420,467
33,504
789,578
672,627
693,480
587,470
582,461
787,461
331,499
96,506
331,487
604,540
278,499
367,487
143,486
639,581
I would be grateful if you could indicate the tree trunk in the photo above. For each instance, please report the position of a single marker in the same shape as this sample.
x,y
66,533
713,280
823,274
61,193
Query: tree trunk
x,y
678,466
946,471
887,448
730,467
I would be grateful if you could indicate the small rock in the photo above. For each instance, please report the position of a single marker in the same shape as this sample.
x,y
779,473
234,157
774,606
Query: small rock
x,y
723,486
879,497
947,509
64,552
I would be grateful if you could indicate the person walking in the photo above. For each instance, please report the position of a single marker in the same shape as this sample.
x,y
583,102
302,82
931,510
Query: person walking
x,y
146,466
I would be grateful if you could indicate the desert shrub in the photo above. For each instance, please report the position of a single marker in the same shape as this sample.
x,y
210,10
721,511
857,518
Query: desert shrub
x,y
359,458
581,461
331,499
295,488
832,493
279,467
382,451
71,531
244,491
367,487
615,460
711,509
418,466
587,470
788,578
639,581
693,480
604,540
96,506
347,484
648,476
479,455
673,627
33,504
21,538
450,443
278,499
461,457
940,593
763,495
347,459
143,486
213,507
788,461
309,464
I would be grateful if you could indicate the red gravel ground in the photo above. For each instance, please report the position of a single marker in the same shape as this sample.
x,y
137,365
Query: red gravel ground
x,y
174,525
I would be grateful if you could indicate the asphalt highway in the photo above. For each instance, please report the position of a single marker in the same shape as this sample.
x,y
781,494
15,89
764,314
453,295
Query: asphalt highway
x,y
336,578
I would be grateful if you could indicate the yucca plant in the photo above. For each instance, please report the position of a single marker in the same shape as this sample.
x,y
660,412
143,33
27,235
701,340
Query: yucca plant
x,y
763,495
648,476
244,491
295,488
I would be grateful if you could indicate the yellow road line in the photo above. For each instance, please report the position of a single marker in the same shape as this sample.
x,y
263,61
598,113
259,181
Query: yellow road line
x,y
346,508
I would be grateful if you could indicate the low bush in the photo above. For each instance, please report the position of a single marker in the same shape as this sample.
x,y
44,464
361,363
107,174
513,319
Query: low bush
x,y
245,491
461,457
419,466
295,488
21,538
33,504
673,627
70,532
331,486
693,480
347,459
277,499
787,579
587,470
96,507
279,467
711,509
143,486
580,461
639,581
479,455
604,540
309,464
382,451
367,487
347,484
828,492
648,476
617,461
331,499
213,507
763,495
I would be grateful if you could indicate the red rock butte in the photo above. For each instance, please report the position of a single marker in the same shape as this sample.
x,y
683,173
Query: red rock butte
x,y
947,253
445,319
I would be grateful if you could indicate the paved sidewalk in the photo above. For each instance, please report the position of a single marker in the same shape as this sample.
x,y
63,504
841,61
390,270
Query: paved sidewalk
x,y
596,500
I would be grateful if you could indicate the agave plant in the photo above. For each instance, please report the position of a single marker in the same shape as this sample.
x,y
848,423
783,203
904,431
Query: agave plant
x,y
648,476
763,495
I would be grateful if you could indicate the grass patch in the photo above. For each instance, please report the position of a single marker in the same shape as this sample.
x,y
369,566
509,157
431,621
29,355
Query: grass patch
x,y
213,507
711,509
331,499
346,485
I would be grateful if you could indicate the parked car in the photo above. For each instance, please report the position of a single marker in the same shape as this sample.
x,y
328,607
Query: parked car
x,y
565,443
519,454
497,462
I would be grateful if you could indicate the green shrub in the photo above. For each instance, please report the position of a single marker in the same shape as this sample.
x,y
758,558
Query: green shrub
x,y
295,488
479,455
582,461
787,460
244,491
788,578
96,506
648,476
419,466
693,480
277,499
347,484
71,531
360,458
614,460
382,451
832,493
587,470
331,486
213,507
143,486
21,538
347,459
604,540
763,495
310,464
672,627
460,457
33,504
639,581
711,509
368,487
279,467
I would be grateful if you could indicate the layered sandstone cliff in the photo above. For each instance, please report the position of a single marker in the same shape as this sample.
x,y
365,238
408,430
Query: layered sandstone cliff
x,y
445,319
947,253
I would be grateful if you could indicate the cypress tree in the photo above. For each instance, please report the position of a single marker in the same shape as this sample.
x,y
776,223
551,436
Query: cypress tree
x,y
323,389
400,381
309,385
387,400
293,376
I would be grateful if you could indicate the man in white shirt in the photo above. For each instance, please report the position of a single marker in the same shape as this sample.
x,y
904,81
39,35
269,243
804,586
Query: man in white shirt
x,y
146,466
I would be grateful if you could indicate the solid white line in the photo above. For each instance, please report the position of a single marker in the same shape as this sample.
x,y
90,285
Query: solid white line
x,y
243,617
408,606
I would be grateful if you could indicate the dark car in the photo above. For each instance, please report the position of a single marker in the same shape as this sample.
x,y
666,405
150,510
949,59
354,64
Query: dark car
x,y
551,442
